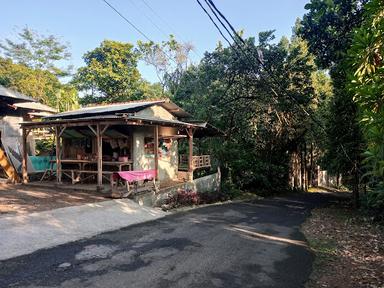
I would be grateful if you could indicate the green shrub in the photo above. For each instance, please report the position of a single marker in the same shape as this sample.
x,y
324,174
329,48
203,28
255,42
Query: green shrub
x,y
373,204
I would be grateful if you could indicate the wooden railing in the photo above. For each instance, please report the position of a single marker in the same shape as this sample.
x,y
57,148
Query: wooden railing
x,y
198,162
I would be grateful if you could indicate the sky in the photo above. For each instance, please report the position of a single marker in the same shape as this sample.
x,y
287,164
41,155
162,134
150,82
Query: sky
x,y
85,23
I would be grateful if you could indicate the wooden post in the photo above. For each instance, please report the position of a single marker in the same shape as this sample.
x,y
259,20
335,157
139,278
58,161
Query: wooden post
x,y
25,156
156,149
58,154
190,156
99,141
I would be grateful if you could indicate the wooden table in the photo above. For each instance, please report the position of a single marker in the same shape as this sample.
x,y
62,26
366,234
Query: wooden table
x,y
119,164
82,163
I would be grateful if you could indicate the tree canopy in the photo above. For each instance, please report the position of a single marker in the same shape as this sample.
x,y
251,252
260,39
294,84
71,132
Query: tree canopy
x,y
37,51
31,66
39,84
169,58
111,73
235,92
367,85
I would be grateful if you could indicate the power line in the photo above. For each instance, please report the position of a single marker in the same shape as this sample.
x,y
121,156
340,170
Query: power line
x,y
195,50
214,23
126,20
222,24
149,19
137,29
277,82
238,45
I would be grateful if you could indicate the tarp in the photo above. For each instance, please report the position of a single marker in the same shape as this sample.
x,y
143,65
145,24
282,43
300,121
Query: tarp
x,y
132,176
35,164
42,163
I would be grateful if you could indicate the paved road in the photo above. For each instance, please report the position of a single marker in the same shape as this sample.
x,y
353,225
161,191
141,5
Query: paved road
x,y
255,244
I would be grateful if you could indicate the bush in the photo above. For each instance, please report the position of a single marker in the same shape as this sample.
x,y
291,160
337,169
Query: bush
x,y
187,197
182,198
373,204
45,147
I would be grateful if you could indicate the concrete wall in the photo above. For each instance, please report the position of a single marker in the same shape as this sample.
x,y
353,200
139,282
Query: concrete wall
x,y
156,111
10,126
11,133
11,138
207,184
168,163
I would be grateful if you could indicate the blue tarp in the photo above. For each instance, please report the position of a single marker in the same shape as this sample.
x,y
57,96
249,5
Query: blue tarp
x,y
42,163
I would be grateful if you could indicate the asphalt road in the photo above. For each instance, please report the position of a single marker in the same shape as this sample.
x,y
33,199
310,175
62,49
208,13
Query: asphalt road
x,y
252,244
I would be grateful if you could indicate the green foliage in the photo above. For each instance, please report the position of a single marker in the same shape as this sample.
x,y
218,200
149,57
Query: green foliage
x,y
169,58
373,202
233,92
45,147
366,76
110,74
327,27
39,84
37,51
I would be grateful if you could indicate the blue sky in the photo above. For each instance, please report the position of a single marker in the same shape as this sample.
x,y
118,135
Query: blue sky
x,y
85,23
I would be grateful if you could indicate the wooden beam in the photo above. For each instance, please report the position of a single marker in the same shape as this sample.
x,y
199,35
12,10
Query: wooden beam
x,y
190,154
156,149
58,154
61,131
93,130
80,123
25,156
99,141
104,129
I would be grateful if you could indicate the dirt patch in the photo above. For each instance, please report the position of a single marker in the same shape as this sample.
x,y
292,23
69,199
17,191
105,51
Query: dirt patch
x,y
16,199
349,249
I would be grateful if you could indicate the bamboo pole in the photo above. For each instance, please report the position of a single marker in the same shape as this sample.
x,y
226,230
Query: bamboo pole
x,y
99,141
25,157
190,156
156,149
58,154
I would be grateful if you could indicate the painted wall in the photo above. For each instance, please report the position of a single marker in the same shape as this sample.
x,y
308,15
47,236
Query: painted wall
x,y
156,111
168,161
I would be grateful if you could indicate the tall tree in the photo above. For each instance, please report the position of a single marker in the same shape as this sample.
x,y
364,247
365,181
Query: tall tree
x,y
367,85
37,51
39,84
328,27
110,74
169,58
271,126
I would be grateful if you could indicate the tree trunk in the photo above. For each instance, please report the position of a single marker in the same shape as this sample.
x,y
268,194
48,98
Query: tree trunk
x,y
310,174
355,193
302,171
305,168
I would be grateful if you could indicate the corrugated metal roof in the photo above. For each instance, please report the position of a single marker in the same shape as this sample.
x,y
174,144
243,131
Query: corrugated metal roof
x,y
35,106
122,108
175,110
105,109
203,130
157,120
6,92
